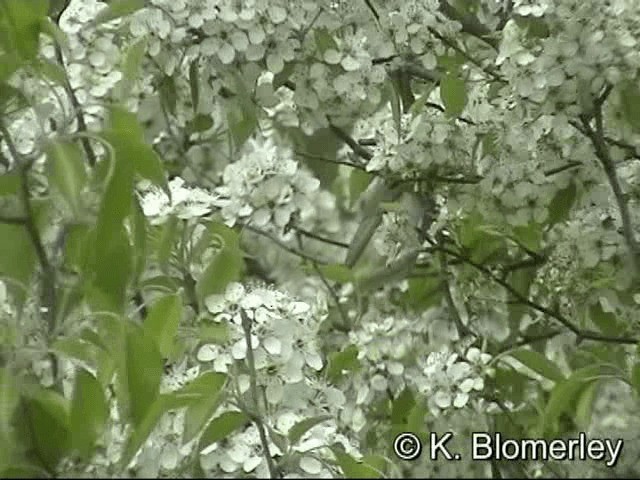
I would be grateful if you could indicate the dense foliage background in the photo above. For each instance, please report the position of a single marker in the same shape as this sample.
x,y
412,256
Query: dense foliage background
x,y
263,237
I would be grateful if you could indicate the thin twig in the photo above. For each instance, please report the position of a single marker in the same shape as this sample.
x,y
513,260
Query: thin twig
x,y
13,220
346,138
77,108
330,160
283,245
320,238
524,300
257,419
602,153
336,299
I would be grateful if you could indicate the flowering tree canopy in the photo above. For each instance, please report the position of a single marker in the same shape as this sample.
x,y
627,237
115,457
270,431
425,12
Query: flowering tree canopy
x,y
267,238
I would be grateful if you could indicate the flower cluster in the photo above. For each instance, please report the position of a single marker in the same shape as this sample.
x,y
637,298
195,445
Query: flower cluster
x,y
266,188
185,202
286,361
450,381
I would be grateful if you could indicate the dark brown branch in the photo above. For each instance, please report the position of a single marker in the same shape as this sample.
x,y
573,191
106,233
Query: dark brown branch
x,y
355,146
321,238
77,108
581,334
257,419
602,153
13,220
282,245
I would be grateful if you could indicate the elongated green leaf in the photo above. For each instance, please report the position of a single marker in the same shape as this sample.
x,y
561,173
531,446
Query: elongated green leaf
x,y
162,322
343,362
112,268
146,161
161,405
47,417
89,412
353,468
131,67
221,427
139,236
23,23
17,258
67,172
635,377
194,83
143,371
538,363
561,204
630,96
117,9
367,227
564,395
9,398
225,266
299,429
453,93
203,396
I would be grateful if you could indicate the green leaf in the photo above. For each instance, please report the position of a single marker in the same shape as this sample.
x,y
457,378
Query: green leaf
x,y
112,269
78,349
226,265
205,386
89,412
139,234
52,72
353,468
423,292
9,398
565,394
529,235
324,40
402,406
9,184
635,376
584,406
140,432
202,397
131,67
200,123
538,363
67,172
607,322
337,272
341,363
17,258
46,416
168,93
561,204
166,241
194,83
630,103
359,180
143,371
162,322
367,227
453,94
117,9
22,21
221,427
299,429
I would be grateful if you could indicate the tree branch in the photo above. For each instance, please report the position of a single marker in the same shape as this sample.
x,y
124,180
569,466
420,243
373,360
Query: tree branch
x,y
581,334
257,419
602,153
